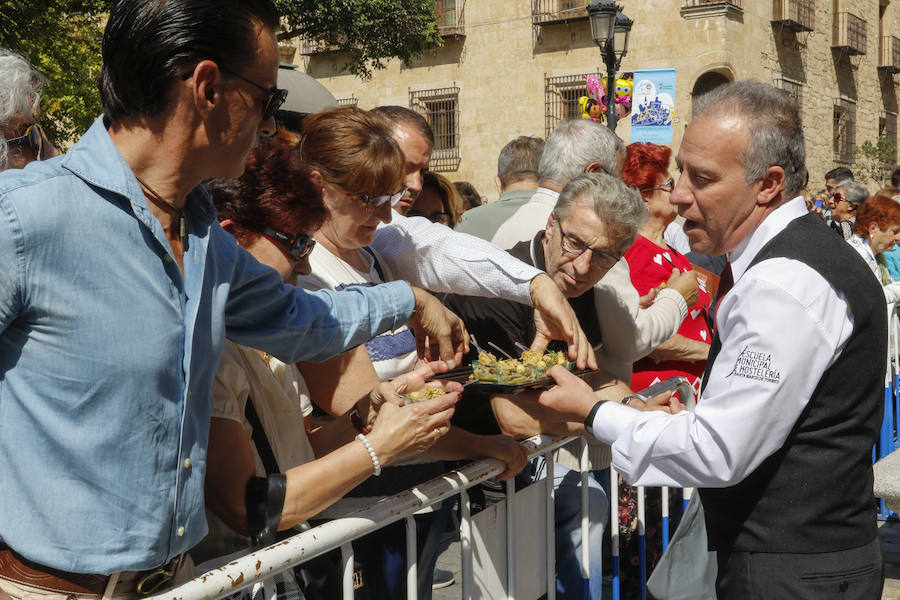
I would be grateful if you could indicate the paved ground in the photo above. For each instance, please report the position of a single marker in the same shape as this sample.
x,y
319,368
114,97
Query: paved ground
x,y
890,538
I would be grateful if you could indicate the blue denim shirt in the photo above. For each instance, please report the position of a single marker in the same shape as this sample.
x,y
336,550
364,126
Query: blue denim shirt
x,y
107,357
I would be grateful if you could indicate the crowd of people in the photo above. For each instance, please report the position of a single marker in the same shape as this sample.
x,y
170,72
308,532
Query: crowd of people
x,y
209,325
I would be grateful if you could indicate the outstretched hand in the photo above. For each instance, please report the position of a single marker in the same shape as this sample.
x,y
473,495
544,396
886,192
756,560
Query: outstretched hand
x,y
554,319
439,333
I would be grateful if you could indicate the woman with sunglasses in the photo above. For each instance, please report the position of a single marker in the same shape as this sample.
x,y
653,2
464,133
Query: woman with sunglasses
x,y
360,169
22,139
260,437
651,261
439,202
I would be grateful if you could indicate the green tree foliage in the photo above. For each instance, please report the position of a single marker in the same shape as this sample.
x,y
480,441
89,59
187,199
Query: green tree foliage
x,y
875,160
369,31
61,38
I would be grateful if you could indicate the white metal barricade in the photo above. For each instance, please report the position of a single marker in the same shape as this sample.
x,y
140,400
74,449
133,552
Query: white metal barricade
x,y
535,579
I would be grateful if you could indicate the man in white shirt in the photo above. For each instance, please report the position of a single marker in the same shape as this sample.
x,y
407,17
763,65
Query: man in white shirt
x,y
781,441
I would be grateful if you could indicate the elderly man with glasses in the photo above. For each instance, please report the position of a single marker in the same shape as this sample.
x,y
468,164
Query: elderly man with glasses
x,y
22,139
592,224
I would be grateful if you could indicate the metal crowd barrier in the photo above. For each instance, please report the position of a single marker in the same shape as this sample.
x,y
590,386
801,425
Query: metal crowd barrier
x,y
256,567
888,439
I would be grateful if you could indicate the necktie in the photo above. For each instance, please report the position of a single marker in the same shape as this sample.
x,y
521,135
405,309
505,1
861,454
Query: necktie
x,y
726,282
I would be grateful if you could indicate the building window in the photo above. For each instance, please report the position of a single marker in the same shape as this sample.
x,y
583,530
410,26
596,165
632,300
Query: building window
x,y
561,96
441,108
792,88
351,101
844,130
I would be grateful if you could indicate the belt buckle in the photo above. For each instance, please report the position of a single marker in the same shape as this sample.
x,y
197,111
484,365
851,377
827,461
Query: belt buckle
x,y
156,578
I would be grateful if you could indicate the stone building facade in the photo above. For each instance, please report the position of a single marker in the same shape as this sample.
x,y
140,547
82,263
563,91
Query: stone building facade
x,y
514,67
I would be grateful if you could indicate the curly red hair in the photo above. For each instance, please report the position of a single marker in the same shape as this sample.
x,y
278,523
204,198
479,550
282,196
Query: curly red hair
x,y
276,190
883,211
644,163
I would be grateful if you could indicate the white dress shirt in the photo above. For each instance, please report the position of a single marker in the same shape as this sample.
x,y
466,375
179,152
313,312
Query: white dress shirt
x,y
781,326
439,259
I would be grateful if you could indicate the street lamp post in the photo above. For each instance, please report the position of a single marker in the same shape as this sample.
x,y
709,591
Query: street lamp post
x,y
610,29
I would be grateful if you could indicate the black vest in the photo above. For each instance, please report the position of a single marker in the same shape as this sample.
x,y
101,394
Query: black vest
x,y
815,493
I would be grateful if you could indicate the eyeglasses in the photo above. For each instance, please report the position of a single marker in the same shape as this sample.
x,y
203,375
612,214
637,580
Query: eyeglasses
x,y
276,97
373,203
666,187
837,197
33,138
443,218
299,246
572,246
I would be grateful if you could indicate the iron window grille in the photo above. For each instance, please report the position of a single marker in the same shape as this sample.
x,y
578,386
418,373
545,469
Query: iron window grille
x,y
792,88
440,107
844,129
561,96
351,101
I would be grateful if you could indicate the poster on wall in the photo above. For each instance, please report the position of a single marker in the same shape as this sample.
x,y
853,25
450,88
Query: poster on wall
x,y
653,106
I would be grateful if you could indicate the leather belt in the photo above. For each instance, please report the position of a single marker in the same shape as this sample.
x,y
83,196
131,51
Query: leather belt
x,y
25,572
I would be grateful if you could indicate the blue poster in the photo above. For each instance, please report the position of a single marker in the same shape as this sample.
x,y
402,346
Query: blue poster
x,y
653,106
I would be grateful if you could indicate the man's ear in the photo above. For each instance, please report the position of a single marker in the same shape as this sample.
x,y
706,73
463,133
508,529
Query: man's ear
x,y
771,186
206,84
594,167
497,181
227,225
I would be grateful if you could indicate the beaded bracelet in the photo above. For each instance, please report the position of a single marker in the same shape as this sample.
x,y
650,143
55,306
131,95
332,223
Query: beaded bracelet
x,y
375,462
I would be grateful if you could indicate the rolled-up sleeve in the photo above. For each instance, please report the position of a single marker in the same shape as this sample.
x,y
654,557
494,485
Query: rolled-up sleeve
x,y
439,259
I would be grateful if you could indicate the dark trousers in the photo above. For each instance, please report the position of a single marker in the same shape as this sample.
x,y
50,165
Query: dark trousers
x,y
854,574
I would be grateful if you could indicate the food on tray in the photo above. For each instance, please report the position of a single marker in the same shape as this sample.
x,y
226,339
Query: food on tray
x,y
426,393
531,367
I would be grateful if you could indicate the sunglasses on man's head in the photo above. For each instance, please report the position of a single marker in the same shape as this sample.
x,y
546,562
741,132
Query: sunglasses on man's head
x,y
298,246
33,139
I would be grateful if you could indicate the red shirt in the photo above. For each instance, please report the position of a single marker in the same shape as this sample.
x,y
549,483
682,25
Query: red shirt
x,y
650,266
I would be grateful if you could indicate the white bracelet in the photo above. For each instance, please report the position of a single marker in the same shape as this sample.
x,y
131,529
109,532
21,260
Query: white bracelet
x,y
372,455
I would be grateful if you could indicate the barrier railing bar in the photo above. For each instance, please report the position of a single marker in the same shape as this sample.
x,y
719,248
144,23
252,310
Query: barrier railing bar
x,y
465,542
246,570
665,518
585,518
510,539
642,540
550,526
412,588
347,565
614,529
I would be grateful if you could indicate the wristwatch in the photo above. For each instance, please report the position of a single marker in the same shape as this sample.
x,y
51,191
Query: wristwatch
x,y
589,420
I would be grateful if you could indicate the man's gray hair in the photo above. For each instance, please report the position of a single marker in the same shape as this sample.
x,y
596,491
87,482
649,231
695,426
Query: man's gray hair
x,y
18,94
574,145
855,193
519,160
774,127
619,207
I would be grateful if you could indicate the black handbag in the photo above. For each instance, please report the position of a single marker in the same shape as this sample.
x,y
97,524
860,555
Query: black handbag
x,y
319,578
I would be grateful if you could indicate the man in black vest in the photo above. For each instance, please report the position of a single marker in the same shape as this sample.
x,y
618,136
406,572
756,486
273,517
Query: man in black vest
x,y
781,441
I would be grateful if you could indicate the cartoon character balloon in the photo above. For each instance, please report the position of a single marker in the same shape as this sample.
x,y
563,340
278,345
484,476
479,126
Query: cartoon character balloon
x,y
624,88
594,105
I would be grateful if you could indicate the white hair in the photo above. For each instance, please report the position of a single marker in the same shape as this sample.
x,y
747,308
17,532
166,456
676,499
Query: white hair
x,y
574,145
18,94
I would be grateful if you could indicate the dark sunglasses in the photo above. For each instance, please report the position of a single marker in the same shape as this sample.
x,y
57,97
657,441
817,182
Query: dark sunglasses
x,y
373,203
276,98
33,138
666,187
298,247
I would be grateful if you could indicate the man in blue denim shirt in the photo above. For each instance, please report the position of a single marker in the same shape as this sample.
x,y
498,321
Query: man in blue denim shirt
x,y
118,288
